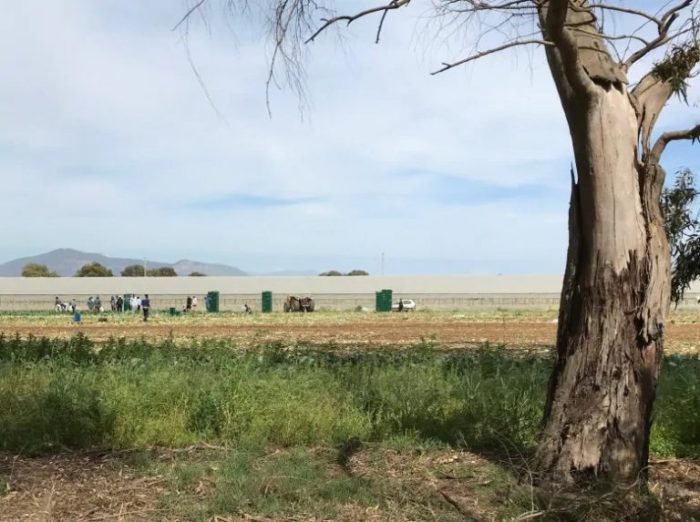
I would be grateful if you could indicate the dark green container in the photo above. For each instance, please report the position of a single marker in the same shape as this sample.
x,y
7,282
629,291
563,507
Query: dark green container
x,y
388,295
383,300
213,301
173,310
266,302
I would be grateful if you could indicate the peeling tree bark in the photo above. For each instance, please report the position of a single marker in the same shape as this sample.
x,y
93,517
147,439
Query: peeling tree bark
x,y
616,290
615,297
610,339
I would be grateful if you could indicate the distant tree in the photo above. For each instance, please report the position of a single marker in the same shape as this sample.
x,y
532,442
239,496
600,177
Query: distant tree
x,y
163,271
683,230
37,270
94,269
330,273
197,274
351,273
133,271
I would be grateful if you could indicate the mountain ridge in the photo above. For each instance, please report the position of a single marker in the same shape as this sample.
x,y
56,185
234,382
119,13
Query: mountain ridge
x,y
67,261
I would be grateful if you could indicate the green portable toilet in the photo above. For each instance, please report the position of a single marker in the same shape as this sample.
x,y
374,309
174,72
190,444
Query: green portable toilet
x,y
213,301
386,300
266,302
127,302
383,300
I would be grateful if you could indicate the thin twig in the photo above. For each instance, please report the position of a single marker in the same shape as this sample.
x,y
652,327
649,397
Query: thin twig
x,y
119,515
188,13
453,503
394,4
446,66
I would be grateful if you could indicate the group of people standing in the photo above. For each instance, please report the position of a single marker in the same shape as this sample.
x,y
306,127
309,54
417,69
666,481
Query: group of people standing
x,y
95,304
117,303
134,304
65,306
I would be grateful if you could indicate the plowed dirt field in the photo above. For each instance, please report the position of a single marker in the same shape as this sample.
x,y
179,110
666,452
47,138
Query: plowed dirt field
x,y
516,329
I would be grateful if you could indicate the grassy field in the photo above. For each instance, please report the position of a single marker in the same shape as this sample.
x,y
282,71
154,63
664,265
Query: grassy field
x,y
293,431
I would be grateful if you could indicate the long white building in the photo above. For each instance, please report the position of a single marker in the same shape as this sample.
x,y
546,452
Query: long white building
x,y
341,292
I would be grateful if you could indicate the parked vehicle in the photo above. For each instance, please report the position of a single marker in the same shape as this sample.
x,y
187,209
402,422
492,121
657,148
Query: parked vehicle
x,y
406,305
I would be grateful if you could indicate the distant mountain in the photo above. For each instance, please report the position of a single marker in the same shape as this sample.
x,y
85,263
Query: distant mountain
x,y
186,267
66,262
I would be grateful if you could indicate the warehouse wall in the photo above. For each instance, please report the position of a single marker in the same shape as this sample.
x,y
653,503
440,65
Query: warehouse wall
x,y
280,285
433,292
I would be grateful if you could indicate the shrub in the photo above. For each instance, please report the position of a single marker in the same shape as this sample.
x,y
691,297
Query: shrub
x,y
40,415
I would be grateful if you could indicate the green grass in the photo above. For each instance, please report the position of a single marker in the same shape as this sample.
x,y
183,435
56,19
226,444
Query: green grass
x,y
287,480
75,394
72,394
295,482
4,485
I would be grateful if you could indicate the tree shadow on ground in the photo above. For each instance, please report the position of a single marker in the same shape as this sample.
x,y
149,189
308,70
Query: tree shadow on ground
x,y
672,492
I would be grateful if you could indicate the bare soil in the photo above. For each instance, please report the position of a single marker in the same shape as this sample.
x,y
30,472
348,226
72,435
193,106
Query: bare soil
x,y
76,487
397,332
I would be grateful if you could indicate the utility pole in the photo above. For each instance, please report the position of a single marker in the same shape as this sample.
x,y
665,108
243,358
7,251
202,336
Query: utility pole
x,y
144,267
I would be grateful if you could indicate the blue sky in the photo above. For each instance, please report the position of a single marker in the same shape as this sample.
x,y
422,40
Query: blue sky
x,y
107,143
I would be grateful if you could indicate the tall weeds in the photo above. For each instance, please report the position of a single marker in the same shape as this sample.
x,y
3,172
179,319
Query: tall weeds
x,y
57,394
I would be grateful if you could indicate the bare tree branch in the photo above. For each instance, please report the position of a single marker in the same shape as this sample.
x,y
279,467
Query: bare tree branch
x,y
394,4
664,24
472,6
189,12
611,37
446,66
626,10
570,29
380,26
651,95
667,137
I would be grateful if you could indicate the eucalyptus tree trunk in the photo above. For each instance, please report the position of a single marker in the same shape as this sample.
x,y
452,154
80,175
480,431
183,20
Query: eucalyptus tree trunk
x,y
614,299
616,290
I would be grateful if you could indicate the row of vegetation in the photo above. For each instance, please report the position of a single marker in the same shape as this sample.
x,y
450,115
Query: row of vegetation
x,y
59,394
355,272
96,269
